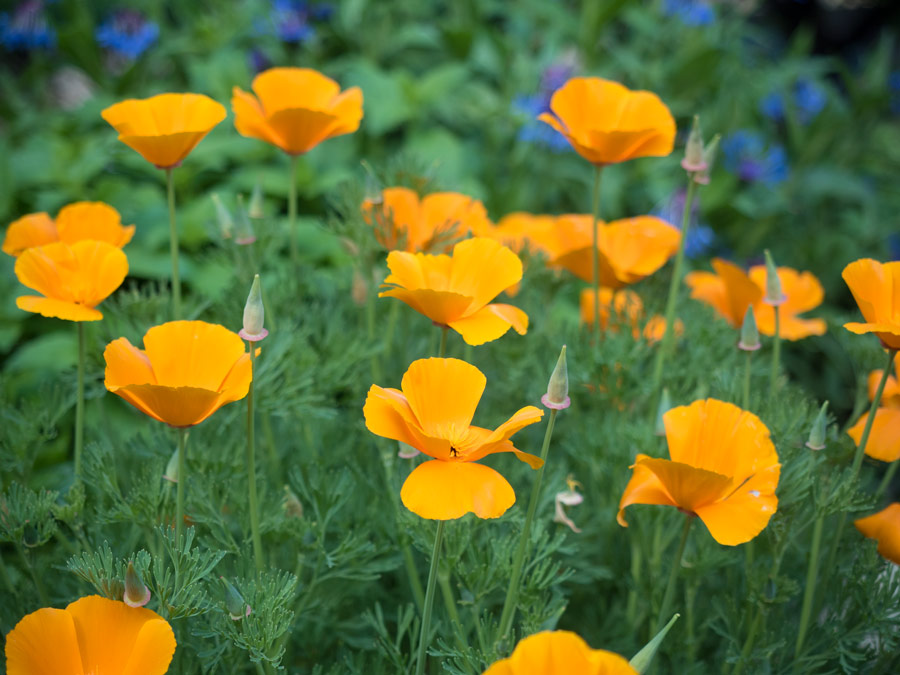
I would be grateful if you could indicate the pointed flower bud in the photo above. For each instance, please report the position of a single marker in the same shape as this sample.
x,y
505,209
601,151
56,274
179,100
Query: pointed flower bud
x,y
643,659
255,210
693,161
234,602
819,429
223,218
665,405
709,157
254,313
749,341
557,396
774,294
171,473
244,235
136,593
293,508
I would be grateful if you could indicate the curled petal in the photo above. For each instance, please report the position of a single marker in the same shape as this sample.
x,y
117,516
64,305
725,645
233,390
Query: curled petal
x,y
440,490
35,229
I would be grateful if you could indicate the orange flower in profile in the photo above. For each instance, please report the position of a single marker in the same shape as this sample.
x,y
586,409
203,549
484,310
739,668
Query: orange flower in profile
x,y
607,123
625,307
72,279
80,221
884,438
630,249
723,468
731,290
432,412
874,285
454,291
91,635
884,527
164,128
187,371
560,652
432,224
295,109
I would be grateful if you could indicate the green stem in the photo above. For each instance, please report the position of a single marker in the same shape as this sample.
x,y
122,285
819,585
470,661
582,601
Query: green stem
x,y
886,481
173,244
512,592
873,410
292,211
674,286
631,605
746,398
79,403
748,643
5,574
251,470
274,468
776,353
595,212
673,575
38,584
443,348
391,327
412,573
809,593
429,598
179,493
450,606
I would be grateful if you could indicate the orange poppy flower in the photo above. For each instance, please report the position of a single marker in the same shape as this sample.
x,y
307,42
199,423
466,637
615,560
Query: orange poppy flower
x,y
295,109
723,468
655,328
76,222
884,438
731,290
874,285
72,279
455,290
187,371
164,128
630,249
432,412
607,123
91,635
624,304
560,652
884,527
520,231
433,223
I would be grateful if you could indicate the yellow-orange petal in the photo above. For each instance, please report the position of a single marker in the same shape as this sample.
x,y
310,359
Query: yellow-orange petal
x,y
644,487
178,407
496,440
440,490
655,328
884,526
689,486
740,291
887,332
57,309
884,438
300,130
193,353
442,307
35,229
559,653
92,221
396,219
126,364
250,118
284,88
388,414
44,643
490,323
443,395
875,287
482,268
739,518
891,394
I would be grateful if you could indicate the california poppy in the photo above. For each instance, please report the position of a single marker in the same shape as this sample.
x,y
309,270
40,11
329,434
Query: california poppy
x,y
522,231
731,290
884,438
606,123
432,224
295,109
723,468
884,527
874,285
76,222
91,635
187,371
454,291
164,128
624,307
432,412
560,652
72,279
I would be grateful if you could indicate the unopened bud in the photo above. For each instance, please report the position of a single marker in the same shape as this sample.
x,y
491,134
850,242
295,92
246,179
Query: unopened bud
x,y
709,157
557,396
819,429
774,294
254,314
665,405
694,161
291,504
642,661
171,473
359,290
234,603
136,592
749,341
223,217
255,210
244,235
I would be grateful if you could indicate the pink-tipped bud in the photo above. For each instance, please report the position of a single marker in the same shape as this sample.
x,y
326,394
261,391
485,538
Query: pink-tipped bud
x,y
694,161
136,592
709,157
557,396
774,294
749,341
234,602
819,429
254,314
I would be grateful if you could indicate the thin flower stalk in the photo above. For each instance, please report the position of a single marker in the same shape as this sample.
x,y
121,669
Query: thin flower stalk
x,y
429,596
79,403
251,472
292,211
886,481
450,606
182,479
745,401
810,591
673,574
776,353
173,244
595,216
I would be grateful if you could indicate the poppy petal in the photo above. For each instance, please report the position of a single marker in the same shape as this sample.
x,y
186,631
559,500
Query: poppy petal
x,y
885,527
739,518
164,150
44,643
301,129
388,415
35,229
496,441
250,119
643,488
176,406
283,88
152,651
689,486
442,307
58,309
96,221
440,490
884,438
888,333
192,353
126,364
490,323
471,260
871,284
557,652
443,395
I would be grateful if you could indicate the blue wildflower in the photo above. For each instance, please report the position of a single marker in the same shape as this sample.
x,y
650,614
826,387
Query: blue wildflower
x,y
529,107
690,12
746,155
290,20
127,33
27,27
808,98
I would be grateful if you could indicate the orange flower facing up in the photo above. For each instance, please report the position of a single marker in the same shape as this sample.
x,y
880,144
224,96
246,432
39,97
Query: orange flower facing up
x,y
884,527
164,128
884,438
607,123
723,468
560,652
76,222
72,279
630,249
187,371
875,288
91,635
731,290
455,290
432,412
295,109
433,223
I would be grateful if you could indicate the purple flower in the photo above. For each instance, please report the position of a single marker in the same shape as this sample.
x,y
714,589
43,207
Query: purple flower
x,y
26,28
127,34
747,156
690,12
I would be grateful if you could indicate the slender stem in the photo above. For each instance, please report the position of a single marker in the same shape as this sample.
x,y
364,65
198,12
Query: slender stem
x,y
673,575
810,591
873,410
595,212
391,327
415,583
79,402
292,210
674,286
179,493
251,470
631,606
173,244
274,469
776,353
748,643
450,606
746,398
886,481
38,583
512,592
429,598
443,348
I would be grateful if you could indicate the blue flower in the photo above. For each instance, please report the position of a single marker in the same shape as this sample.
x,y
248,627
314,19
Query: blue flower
x,y
808,97
690,12
746,155
127,33
290,20
27,27
529,107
